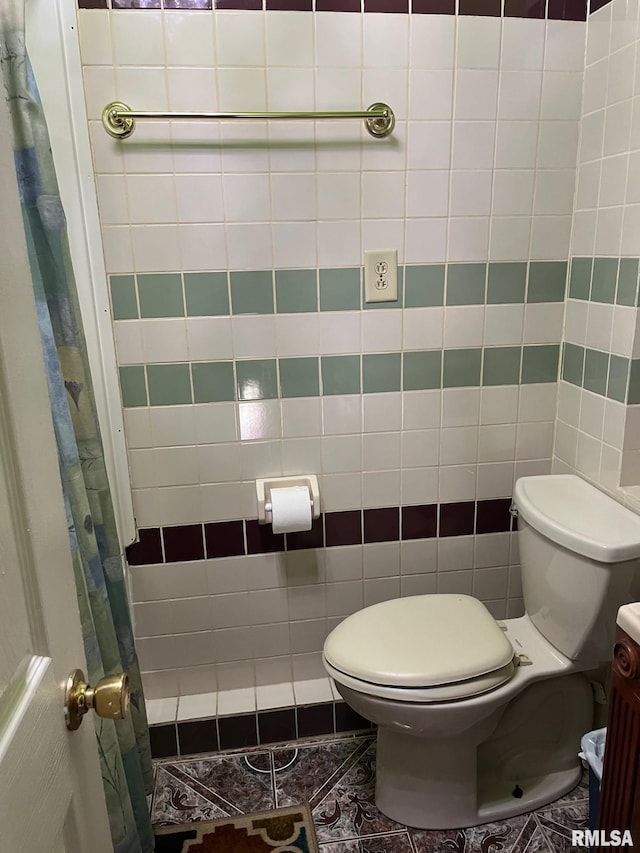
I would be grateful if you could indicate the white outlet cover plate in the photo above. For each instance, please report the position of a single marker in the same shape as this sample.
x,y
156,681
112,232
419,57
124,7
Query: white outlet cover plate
x,y
381,275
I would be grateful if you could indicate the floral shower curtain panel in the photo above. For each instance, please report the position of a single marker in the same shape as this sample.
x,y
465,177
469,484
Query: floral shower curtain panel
x,y
123,745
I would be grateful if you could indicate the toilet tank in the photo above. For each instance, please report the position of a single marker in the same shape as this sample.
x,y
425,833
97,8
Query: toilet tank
x,y
580,556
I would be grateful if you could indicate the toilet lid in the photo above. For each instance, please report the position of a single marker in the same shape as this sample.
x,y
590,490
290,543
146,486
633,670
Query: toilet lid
x,y
420,641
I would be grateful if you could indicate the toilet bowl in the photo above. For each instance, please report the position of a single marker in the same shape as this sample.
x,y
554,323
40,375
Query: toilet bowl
x,y
479,719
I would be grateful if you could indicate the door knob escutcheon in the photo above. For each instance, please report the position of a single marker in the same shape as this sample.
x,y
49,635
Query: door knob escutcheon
x,y
110,698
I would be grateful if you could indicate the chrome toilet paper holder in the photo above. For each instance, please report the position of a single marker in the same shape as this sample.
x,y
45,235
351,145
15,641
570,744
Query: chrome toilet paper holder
x,y
263,493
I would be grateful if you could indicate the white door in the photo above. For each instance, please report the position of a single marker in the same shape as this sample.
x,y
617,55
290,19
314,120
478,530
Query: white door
x,y
51,796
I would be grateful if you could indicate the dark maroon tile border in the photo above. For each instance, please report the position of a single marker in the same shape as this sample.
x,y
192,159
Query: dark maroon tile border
x,y
433,7
246,5
262,540
384,524
313,538
188,4
457,519
289,5
237,732
397,6
315,720
480,8
148,549
135,4
170,740
164,741
525,8
420,522
338,6
224,539
183,543
198,736
493,516
276,725
565,10
343,528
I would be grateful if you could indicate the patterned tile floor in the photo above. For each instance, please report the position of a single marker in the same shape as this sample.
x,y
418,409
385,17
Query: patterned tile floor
x,y
336,776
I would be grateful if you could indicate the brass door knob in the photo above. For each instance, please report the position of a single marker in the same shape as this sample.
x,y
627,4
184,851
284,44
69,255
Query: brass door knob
x,y
110,698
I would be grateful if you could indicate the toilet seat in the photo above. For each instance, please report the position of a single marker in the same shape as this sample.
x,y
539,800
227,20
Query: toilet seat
x,y
424,648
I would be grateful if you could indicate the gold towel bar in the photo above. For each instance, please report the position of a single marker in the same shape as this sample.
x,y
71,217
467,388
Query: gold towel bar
x,y
119,120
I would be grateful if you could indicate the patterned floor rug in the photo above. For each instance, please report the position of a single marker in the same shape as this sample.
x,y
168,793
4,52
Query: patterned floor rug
x,y
288,830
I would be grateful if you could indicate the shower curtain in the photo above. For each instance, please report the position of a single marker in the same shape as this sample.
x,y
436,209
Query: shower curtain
x,y
123,745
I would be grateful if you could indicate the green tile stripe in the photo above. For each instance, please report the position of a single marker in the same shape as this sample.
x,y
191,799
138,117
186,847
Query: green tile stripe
x,y
313,376
603,373
213,294
609,280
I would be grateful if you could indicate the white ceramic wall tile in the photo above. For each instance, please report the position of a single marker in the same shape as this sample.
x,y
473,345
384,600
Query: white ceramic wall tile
x,y
516,143
381,331
476,94
138,39
381,451
430,94
274,696
289,39
342,415
503,325
161,710
95,38
99,86
495,480
429,144
523,44
520,95
341,454
432,41
312,691
428,192
499,404
189,39
460,407
301,417
259,420
339,39
478,43
237,701
197,707
382,412
468,239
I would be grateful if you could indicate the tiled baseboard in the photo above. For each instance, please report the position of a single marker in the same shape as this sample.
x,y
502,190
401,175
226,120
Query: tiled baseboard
x,y
193,737
234,719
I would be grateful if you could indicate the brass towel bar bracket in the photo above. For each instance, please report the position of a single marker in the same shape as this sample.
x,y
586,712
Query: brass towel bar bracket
x,y
119,120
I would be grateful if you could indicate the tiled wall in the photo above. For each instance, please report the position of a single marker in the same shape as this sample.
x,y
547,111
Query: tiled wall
x,y
246,350
597,431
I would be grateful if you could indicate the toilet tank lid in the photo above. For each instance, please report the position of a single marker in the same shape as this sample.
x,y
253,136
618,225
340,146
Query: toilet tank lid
x,y
419,641
581,518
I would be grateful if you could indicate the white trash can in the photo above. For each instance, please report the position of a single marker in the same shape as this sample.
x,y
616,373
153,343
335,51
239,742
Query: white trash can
x,y
593,744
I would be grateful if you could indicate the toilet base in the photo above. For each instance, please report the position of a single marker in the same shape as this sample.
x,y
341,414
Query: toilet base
x,y
438,769
450,799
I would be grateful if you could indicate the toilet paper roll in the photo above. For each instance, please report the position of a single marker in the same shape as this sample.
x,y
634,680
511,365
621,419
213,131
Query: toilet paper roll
x,y
290,509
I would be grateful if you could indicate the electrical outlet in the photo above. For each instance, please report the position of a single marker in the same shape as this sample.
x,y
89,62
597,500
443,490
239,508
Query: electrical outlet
x,y
381,275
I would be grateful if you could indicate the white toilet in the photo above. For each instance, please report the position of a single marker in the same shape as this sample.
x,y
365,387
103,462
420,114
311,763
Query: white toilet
x,y
480,720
